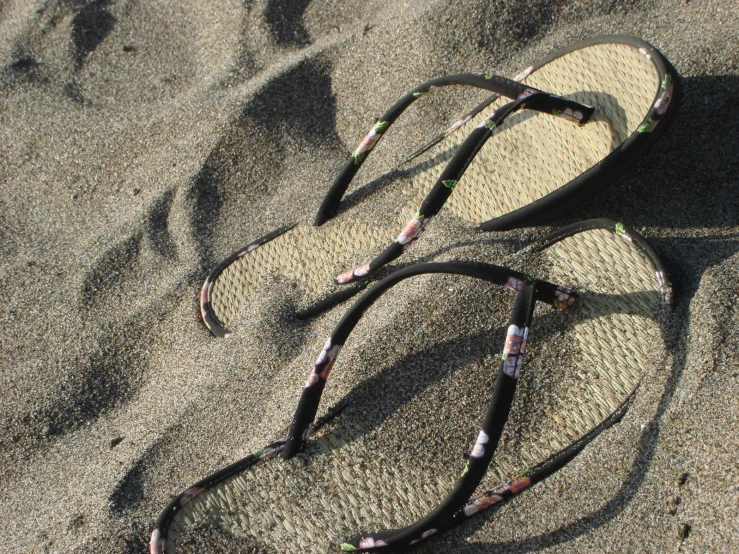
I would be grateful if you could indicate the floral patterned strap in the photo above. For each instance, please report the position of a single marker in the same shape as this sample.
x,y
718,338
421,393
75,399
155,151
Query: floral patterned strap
x,y
157,543
482,452
501,86
305,413
529,98
504,491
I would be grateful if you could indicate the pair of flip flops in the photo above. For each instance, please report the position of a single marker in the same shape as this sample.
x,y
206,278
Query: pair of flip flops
x,y
600,287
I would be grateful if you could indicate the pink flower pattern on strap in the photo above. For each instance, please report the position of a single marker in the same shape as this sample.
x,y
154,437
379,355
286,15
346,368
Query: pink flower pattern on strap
x,y
525,73
479,504
663,100
369,542
563,298
324,364
515,347
526,93
413,230
424,535
575,116
189,494
410,231
660,280
514,284
352,274
478,451
457,124
156,545
498,494
368,143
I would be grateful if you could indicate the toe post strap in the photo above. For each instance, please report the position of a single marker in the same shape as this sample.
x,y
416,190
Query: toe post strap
x,y
528,98
524,96
443,516
528,291
516,281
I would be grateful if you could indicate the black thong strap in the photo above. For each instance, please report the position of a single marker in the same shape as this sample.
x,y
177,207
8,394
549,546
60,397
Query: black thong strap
x,y
500,86
528,291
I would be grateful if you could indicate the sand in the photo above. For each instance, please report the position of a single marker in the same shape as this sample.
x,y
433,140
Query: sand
x,y
141,142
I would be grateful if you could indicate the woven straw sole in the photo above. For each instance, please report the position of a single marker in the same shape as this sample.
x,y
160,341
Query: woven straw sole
x,y
312,256
532,156
348,480
528,158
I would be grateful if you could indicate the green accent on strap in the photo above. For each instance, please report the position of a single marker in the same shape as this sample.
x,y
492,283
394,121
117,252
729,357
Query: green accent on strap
x,y
646,127
418,215
489,75
466,469
380,126
418,94
358,157
346,547
258,452
490,125
528,278
556,112
450,183
666,81
619,229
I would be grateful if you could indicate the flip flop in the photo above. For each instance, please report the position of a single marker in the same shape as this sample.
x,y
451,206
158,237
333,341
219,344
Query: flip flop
x,y
509,162
590,345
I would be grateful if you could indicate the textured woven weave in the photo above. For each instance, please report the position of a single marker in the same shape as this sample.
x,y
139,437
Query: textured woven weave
x,y
528,158
613,336
346,481
311,255
288,506
532,156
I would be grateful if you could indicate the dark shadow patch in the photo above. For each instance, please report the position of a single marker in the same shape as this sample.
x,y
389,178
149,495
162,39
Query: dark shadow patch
x,y
72,91
113,282
90,26
711,251
157,226
205,195
693,170
113,268
285,20
104,380
539,17
112,374
301,102
25,64
26,68
296,110
130,537
129,491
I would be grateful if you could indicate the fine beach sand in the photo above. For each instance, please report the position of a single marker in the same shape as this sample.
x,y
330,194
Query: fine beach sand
x,y
143,141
